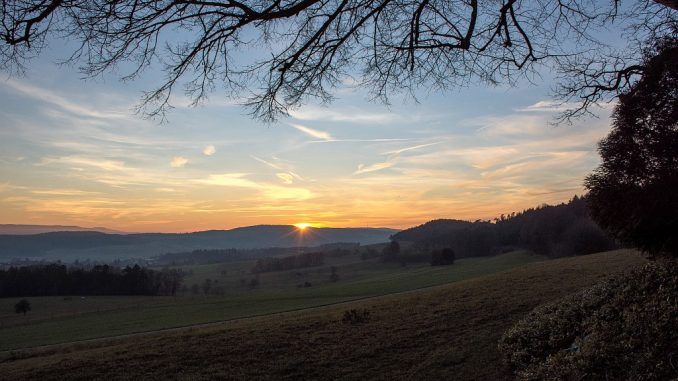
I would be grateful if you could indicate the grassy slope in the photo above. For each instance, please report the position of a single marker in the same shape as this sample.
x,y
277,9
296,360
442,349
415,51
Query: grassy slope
x,y
98,317
447,332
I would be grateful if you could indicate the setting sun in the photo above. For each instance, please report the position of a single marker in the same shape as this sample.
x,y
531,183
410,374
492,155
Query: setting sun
x,y
302,225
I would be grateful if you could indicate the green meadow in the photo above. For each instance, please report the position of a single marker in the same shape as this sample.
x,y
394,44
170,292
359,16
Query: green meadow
x,y
55,320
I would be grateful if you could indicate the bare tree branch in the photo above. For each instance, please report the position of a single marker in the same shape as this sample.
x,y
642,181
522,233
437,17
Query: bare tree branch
x,y
273,55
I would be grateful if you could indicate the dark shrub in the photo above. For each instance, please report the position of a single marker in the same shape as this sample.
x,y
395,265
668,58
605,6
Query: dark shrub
x,y
442,257
354,316
623,328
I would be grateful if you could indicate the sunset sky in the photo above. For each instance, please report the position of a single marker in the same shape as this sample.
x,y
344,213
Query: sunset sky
x,y
72,151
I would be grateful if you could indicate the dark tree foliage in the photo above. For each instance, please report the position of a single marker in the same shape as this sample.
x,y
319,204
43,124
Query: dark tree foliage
x,y
298,49
634,192
206,286
554,231
22,307
334,276
442,257
391,252
57,279
288,263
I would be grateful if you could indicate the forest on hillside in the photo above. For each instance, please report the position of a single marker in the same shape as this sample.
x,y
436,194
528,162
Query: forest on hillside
x,y
554,231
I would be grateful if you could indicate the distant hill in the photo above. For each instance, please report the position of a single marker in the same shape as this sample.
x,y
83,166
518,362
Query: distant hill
x,y
68,245
38,229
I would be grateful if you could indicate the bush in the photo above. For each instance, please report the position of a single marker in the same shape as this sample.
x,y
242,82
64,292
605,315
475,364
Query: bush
x,y
623,328
354,316
442,257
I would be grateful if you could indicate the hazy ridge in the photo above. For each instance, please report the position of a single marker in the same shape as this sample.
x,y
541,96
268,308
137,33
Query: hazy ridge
x,y
94,244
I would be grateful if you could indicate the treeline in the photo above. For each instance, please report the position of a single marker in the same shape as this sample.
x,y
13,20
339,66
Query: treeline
x,y
210,256
200,256
554,231
58,279
289,262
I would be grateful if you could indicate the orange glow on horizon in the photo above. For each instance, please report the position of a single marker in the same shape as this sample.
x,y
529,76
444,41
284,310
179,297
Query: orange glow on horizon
x,y
303,225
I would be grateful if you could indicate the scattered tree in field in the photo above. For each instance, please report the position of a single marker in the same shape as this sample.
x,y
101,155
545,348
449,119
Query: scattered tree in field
x,y
254,283
22,307
334,276
206,286
442,257
195,289
312,46
369,252
391,252
634,192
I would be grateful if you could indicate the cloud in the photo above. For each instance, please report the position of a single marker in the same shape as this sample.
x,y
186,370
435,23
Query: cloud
x,y
399,151
392,156
61,102
548,106
209,150
312,132
385,140
229,180
295,175
178,162
285,177
268,163
64,192
107,165
274,192
509,126
373,168
352,115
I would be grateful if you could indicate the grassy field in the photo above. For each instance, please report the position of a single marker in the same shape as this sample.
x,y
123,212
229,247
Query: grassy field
x,y
445,332
55,320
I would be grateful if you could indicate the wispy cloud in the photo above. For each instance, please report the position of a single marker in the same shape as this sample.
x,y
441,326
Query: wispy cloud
x,y
269,191
401,150
64,192
79,161
392,156
178,162
229,180
351,116
312,132
209,150
285,177
373,167
548,106
268,163
61,102
288,176
384,140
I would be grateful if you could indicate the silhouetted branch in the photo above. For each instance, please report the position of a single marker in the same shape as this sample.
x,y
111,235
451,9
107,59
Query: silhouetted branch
x,y
273,55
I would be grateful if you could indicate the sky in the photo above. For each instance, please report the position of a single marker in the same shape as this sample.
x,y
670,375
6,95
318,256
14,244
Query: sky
x,y
73,152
